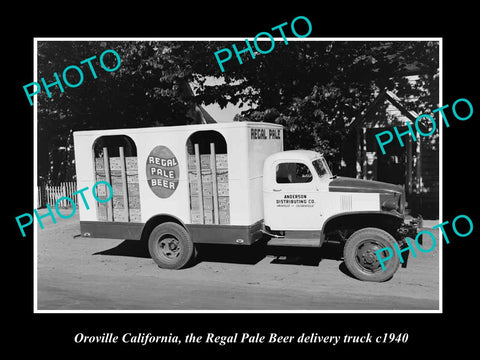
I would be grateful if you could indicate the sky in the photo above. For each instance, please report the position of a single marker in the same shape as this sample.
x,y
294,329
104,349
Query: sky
x,y
221,115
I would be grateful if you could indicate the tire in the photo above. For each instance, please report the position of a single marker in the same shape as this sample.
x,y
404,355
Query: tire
x,y
360,256
170,246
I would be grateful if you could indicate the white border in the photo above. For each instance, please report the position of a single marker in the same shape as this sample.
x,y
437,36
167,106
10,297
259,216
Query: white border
x,y
440,180
35,184
35,121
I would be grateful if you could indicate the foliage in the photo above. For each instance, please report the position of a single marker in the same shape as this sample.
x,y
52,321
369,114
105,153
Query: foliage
x,y
149,89
314,88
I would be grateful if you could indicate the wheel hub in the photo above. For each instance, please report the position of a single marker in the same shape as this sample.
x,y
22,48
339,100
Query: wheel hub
x,y
367,257
169,247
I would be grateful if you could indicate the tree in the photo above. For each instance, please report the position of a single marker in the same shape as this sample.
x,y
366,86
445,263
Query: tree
x,y
315,89
150,88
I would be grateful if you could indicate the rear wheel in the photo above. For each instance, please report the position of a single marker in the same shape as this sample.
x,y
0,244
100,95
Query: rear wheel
x,y
170,246
360,255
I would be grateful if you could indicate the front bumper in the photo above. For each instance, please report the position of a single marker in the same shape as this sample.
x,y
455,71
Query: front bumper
x,y
411,226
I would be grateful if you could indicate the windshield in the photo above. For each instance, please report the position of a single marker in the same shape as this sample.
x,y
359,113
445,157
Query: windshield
x,y
321,167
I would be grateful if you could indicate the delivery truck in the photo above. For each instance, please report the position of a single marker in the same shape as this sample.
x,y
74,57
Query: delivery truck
x,y
176,187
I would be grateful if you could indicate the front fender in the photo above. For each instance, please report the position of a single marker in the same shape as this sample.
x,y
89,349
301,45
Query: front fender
x,y
389,221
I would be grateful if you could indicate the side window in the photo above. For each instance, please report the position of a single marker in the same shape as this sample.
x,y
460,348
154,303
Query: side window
x,y
291,173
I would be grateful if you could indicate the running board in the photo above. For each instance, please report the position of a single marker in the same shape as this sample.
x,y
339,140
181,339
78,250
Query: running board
x,y
297,238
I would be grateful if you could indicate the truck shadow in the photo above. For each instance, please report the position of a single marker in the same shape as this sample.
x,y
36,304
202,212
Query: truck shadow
x,y
311,256
232,254
235,254
131,248
304,256
256,253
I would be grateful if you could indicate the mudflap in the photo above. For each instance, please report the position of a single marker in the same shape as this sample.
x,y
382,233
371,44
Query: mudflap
x,y
409,229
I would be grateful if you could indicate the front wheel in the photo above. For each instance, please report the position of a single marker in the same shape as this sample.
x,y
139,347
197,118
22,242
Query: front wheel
x,y
361,259
170,246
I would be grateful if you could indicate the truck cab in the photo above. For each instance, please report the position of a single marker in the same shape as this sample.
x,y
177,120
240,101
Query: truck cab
x,y
306,205
295,185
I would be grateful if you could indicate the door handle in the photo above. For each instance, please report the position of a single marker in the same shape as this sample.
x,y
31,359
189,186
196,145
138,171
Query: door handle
x,y
277,189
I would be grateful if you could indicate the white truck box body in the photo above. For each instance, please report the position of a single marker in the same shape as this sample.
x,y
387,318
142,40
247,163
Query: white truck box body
x,y
248,144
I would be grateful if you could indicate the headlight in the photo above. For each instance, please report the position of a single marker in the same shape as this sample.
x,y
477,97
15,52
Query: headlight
x,y
390,202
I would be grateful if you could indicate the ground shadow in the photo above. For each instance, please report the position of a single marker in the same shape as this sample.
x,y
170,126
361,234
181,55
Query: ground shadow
x,y
294,256
132,248
257,252
343,268
230,254
304,255
238,254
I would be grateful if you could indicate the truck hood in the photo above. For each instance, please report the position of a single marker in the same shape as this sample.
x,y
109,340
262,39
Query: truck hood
x,y
344,184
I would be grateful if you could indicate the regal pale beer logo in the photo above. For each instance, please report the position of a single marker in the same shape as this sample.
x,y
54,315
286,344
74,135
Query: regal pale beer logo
x,y
162,171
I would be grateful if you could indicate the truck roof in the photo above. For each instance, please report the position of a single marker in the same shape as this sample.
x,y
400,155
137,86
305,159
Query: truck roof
x,y
305,155
231,124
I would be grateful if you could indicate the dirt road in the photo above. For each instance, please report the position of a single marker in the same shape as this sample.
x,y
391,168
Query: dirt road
x,y
104,274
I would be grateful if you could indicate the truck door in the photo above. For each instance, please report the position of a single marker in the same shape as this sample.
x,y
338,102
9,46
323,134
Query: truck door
x,y
292,197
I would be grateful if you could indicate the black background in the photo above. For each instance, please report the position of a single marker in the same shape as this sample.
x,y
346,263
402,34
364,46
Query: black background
x,y
52,334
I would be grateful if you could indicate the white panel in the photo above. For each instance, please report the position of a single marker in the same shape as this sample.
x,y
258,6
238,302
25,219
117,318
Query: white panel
x,y
245,190
178,203
85,176
365,201
238,175
263,140
332,202
91,213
